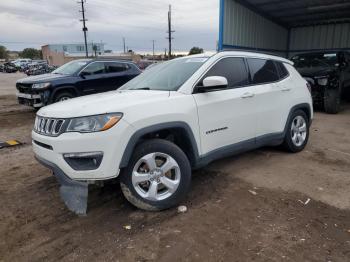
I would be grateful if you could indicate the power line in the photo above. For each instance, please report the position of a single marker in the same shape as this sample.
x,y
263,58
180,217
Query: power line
x,y
82,2
124,44
170,31
153,48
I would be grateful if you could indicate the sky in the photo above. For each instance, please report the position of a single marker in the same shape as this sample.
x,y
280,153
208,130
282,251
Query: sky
x,y
33,23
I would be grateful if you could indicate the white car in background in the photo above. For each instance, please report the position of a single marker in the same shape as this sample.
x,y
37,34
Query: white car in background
x,y
175,117
21,62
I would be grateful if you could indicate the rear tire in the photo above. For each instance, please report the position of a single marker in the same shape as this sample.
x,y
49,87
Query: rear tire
x,y
147,184
297,134
332,99
62,96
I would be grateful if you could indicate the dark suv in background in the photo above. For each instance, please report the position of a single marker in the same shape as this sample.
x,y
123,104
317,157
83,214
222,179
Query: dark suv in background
x,y
328,73
76,78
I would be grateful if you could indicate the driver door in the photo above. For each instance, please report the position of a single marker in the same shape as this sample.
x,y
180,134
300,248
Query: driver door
x,y
93,79
227,116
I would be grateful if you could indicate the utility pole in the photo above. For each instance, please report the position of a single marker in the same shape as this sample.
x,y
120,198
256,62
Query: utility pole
x,y
170,31
124,44
82,2
153,48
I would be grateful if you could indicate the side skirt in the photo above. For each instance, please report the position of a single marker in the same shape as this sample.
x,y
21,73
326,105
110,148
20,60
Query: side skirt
x,y
274,139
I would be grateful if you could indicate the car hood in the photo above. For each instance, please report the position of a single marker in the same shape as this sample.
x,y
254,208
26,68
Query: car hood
x,y
315,71
109,102
41,78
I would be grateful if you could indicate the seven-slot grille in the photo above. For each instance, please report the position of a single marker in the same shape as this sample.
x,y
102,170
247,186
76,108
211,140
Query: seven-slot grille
x,y
48,126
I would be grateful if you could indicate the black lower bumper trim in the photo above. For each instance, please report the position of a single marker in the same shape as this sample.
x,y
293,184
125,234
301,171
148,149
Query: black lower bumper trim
x,y
73,193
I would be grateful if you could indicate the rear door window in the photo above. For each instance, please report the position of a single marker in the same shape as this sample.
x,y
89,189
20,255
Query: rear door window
x,y
115,67
233,69
283,72
262,71
95,68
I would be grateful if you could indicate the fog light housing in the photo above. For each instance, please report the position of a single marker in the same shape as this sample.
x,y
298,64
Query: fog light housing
x,y
84,161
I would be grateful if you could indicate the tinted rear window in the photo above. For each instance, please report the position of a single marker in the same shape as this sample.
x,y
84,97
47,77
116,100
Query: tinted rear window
x,y
283,72
115,67
262,71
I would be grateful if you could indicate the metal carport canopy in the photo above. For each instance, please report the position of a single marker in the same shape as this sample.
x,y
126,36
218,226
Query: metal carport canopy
x,y
284,26
293,13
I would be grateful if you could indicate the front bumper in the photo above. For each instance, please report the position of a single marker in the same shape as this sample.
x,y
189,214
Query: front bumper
x,y
73,193
34,100
50,152
111,143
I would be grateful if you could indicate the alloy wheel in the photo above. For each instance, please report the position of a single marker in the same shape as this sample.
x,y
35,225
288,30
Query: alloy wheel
x,y
299,131
156,176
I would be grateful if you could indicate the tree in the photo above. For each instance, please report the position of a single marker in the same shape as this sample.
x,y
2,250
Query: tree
x,y
3,52
196,50
31,53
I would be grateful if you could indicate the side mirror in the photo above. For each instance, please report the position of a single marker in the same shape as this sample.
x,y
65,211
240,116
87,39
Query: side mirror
x,y
212,83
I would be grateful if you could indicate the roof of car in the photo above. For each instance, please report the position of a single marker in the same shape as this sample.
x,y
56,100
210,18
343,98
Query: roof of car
x,y
104,60
245,54
111,59
257,55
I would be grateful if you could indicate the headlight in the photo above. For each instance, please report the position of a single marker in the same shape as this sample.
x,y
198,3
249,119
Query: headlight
x,y
41,85
93,123
322,81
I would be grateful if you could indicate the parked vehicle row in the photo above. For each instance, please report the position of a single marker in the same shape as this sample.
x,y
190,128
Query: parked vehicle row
x,y
27,66
38,68
175,117
8,67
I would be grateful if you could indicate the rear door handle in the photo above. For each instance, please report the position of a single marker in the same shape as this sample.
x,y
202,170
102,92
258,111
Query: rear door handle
x,y
247,95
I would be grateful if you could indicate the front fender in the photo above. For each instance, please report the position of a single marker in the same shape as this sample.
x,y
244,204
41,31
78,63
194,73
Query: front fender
x,y
135,138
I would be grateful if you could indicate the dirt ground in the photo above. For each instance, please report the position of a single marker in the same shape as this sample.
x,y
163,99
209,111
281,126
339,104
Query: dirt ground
x,y
245,208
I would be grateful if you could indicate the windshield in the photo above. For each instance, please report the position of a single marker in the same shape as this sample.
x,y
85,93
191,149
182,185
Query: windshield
x,y
168,76
71,67
315,60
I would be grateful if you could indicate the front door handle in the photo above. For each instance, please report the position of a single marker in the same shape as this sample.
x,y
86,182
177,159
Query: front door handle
x,y
285,89
247,95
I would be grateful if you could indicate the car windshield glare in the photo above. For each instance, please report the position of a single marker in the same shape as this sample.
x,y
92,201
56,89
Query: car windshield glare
x,y
168,76
70,68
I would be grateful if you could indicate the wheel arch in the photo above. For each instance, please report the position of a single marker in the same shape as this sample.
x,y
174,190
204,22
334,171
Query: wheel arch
x,y
179,133
56,91
305,107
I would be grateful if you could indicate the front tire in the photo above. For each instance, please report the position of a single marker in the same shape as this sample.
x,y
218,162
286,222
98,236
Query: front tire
x,y
157,177
63,96
297,134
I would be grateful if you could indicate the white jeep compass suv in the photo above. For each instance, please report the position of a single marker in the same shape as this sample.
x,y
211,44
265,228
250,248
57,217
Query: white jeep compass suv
x,y
175,117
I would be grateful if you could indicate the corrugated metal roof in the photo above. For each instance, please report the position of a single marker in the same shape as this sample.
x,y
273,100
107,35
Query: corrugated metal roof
x,y
293,13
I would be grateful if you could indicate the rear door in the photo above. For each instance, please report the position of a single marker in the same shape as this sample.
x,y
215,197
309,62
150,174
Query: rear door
x,y
272,95
118,73
227,116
